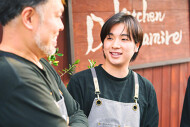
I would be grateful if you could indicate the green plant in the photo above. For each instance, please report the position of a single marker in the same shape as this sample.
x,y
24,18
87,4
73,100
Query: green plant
x,y
92,63
71,69
52,58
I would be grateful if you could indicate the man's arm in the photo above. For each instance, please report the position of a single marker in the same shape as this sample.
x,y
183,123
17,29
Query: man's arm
x,y
77,118
185,118
152,118
30,105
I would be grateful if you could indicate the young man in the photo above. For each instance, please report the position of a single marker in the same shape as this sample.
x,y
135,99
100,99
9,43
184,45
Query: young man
x,y
111,94
31,92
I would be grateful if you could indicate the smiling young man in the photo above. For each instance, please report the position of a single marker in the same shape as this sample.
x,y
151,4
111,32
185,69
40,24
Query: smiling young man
x,y
111,94
31,92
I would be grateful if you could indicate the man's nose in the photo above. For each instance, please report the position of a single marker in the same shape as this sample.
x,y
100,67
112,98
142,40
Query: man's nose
x,y
116,43
61,26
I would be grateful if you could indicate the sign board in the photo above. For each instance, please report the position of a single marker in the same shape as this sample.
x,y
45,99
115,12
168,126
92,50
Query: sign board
x,y
165,25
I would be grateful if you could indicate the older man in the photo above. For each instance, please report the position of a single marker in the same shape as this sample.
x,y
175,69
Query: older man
x,y
31,92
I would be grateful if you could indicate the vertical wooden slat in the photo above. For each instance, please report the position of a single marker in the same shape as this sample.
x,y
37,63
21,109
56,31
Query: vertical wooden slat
x,y
157,82
148,74
140,71
166,84
174,96
183,85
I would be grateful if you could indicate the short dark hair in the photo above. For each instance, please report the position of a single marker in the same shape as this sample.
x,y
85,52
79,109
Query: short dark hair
x,y
9,9
133,28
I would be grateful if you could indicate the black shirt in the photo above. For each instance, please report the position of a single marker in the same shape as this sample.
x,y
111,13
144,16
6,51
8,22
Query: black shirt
x,y
82,89
28,95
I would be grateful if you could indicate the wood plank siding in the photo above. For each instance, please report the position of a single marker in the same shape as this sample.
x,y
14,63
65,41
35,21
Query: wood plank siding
x,y
170,83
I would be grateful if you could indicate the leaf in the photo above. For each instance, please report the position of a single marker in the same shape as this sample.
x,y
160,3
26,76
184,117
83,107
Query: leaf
x,y
59,54
53,58
77,61
49,58
56,64
60,72
57,49
92,63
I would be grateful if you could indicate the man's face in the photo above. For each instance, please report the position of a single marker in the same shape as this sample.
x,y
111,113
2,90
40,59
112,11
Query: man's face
x,y
118,48
49,26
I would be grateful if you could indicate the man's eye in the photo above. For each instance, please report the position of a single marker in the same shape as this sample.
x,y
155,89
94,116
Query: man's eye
x,y
124,39
109,38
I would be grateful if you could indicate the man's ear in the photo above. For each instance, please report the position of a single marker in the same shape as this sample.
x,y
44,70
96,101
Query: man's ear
x,y
27,17
137,47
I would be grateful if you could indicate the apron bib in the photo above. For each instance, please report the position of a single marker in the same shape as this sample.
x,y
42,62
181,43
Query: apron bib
x,y
62,108
109,113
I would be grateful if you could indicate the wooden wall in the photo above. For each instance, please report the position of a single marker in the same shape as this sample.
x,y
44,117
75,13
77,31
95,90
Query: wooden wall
x,y
170,84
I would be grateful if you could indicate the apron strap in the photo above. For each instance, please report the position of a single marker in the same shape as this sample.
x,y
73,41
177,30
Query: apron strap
x,y
136,87
97,90
95,79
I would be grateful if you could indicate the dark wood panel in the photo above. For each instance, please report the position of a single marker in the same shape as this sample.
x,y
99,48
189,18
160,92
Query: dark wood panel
x,y
184,75
140,71
166,84
182,86
174,96
148,74
157,82
80,6
170,83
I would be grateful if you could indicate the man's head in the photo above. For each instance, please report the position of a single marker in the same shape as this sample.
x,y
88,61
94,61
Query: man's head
x,y
50,26
38,21
9,9
132,28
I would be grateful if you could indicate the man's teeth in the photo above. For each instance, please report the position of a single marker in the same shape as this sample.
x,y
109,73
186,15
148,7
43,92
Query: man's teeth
x,y
113,53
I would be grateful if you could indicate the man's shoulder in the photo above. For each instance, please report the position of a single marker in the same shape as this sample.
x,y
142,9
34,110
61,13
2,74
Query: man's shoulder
x,y
144,82
82,73
88,71
8,78
82,78
13,71
5,67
